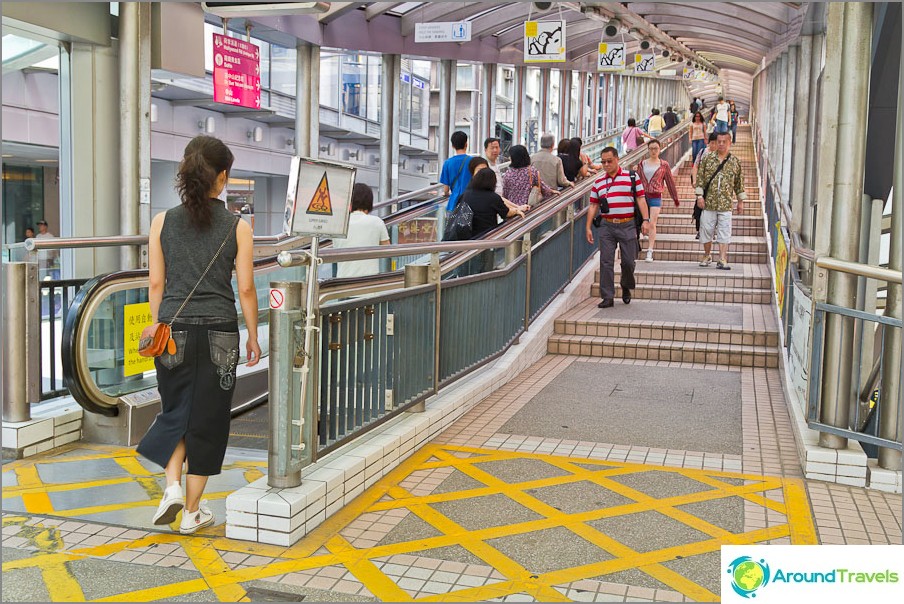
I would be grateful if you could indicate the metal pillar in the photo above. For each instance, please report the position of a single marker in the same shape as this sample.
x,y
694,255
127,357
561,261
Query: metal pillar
x,y
594,104
442,129
15,381
565,103
453,96
810,148
475,128
790,88
286,396
387,93
518,105
890,425
488,105
396,120
799,149
855,52
307,104
134,125
544,100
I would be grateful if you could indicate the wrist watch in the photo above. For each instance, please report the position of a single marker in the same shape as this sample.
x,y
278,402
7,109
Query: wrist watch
x,y
646,220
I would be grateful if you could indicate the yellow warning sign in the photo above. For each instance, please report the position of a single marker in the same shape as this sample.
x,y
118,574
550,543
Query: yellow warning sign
x,y
320,202
135,318
530,29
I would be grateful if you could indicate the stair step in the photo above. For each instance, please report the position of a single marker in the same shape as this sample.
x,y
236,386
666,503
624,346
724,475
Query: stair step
x,y
686,293
683,218
734,355
687,208
693,277
666,241
694,255
666,331
688,229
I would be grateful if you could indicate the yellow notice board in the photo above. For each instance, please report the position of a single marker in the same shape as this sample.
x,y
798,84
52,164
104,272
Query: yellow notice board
x,y
135,318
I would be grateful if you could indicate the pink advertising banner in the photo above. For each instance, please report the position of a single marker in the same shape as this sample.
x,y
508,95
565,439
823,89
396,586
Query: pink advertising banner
x,y
236,72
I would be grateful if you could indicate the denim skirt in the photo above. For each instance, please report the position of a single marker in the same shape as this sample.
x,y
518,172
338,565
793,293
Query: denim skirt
x,y
196,385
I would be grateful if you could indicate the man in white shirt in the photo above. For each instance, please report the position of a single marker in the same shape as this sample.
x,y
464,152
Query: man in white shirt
x,y
364,230
47,259
491,150
723,115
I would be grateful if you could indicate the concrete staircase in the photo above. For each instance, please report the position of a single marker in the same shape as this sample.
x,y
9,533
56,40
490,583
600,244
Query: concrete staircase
x,y
682,312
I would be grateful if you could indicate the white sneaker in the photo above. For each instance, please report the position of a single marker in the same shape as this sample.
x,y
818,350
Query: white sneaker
x,y
649,256
170,505
192,521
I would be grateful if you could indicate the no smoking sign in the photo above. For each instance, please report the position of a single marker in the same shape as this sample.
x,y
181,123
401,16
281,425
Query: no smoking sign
x,y
277,298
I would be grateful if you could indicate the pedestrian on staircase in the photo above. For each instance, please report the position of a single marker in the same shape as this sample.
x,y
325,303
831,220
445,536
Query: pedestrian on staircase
x,y
710,148
613,196
718,178
656,175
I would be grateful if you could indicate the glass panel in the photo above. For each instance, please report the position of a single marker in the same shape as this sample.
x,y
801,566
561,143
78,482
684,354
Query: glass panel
x,y
420,108
16,46
282,69
265,63
374,73
405,101
465,78
23,201
329,80
421,69
354,75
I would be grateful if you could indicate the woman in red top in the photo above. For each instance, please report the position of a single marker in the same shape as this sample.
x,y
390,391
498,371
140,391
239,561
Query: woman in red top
x,y
656,174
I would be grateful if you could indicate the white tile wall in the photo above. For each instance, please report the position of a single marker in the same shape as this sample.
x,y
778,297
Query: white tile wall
x,y
52,424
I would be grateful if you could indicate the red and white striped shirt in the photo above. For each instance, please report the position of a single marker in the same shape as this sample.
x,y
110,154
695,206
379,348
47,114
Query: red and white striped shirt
x,y
617,191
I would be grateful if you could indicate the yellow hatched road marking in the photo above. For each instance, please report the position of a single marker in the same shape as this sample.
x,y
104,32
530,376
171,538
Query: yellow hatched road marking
x,y
61,585
203,550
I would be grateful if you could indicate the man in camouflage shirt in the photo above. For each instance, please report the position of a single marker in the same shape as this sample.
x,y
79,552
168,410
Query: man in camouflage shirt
x,y
715,224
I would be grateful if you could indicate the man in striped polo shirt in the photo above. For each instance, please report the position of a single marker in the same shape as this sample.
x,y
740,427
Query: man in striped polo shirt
x,y
613,196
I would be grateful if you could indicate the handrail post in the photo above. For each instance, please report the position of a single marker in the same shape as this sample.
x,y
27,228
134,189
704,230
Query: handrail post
x,y
286,314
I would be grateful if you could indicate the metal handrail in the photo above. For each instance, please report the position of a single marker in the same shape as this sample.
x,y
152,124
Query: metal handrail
x,y
862,270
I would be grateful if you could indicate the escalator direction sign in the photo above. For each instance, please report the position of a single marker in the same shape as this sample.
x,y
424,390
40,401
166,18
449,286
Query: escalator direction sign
x,y
135,318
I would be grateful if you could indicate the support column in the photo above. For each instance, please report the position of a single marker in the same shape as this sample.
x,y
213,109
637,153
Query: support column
x,y
889,420
488,105
811,150
595,104
564,103
850,152
396,120
453,96
388,92
475,130
518,106
583,113
442,129
783,77
543,122
799,151
307,100
134,126
791,74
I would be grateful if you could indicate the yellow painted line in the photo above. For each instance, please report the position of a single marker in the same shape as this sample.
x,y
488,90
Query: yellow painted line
x,y
114,507
27,476
476,594
803,531
173,590
61,585
366,571
37,503
132,466
209,562
63,486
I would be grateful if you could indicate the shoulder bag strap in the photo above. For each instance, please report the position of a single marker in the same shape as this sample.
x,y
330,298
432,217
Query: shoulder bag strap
x,y
457,176
719,169
209,264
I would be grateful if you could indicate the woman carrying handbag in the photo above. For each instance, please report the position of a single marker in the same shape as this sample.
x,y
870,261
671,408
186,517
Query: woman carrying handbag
x,y
193,249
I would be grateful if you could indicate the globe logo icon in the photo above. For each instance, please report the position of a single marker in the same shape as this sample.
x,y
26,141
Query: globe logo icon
x,y
748,575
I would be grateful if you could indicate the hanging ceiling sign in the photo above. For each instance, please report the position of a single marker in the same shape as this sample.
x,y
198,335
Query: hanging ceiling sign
x,y
544,41
236,72
449,31
611,56
321,200
688,73
644,62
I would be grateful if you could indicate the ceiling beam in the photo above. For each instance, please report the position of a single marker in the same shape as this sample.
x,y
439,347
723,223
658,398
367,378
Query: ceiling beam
x,y
703,33
665,22
737,15
375,9
337,9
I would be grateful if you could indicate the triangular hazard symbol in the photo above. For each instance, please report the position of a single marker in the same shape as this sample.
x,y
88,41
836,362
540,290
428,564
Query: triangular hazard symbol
x,y
320,202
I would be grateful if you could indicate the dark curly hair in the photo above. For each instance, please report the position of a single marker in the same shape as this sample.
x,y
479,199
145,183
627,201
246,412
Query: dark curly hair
x,y
204,158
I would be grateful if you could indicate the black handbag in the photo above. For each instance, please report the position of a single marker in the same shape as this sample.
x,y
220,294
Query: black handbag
x,y
459,224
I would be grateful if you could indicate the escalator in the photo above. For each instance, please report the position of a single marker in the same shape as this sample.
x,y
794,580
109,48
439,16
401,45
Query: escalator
x,y
121,406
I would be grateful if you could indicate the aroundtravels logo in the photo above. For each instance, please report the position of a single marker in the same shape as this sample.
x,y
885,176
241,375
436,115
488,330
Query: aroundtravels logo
x,y
748,575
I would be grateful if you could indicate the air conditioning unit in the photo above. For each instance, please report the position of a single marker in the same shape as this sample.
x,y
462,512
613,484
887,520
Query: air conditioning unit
x,y
263,9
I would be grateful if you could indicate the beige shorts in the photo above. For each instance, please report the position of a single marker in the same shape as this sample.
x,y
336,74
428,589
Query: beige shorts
x,y
715,226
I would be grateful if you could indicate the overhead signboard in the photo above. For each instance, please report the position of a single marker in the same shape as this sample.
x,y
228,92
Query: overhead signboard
x,y
321,200
611,56
236,72
447,31
688,73
544,41
644,62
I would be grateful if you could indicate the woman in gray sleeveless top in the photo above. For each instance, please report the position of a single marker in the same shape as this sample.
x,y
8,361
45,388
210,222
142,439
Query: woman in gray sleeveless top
x,y
196,382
